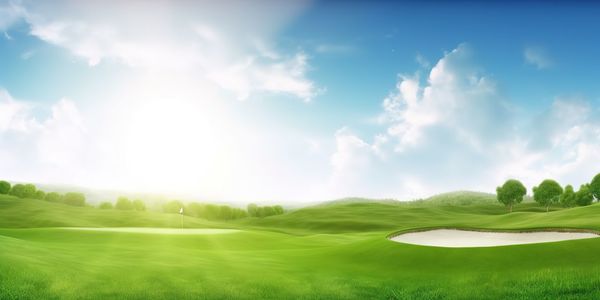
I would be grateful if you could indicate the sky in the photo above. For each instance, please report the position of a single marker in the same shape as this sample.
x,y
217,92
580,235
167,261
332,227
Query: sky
x,y
299,101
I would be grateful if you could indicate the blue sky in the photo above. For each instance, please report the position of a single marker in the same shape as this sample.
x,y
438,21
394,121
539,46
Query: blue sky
x,y
299,101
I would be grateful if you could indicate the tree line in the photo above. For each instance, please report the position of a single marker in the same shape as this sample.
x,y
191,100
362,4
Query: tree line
x,y
549,192
30,191
123,203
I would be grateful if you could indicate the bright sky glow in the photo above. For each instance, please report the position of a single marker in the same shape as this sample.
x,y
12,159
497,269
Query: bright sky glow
x,y
278,101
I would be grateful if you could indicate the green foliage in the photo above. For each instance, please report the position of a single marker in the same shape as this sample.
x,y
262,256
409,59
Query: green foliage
x,y
173,207
584,196
252,210
124,204
105,205
547,192
214,212
4,187
53,197
75,199
511,193
139,205
595,187
39,194
568,197
23,190
264,211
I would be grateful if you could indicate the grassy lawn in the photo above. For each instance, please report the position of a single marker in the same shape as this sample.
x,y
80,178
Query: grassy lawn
x,y
337,250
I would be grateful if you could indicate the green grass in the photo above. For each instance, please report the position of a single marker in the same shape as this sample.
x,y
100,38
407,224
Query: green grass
x,y
333,251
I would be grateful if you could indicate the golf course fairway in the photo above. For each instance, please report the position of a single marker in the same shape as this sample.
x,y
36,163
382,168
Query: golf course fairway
x,y
333,251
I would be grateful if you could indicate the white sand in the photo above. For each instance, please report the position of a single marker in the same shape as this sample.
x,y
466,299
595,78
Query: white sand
x,y
454,238
152,230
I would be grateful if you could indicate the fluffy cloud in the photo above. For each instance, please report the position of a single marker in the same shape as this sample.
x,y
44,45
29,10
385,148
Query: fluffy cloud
x,y
456,131
227,43
537,56
455,97
36,148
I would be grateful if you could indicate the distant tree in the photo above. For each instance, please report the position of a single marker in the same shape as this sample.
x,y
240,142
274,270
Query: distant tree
x,y
239,213
211,212
173,207
75,199
511,193
595,187
4,187
252,210
225,212
584,197
195,209
124,204
278,209
547,192
53,197
268,211
105,205
40,195
23,190
568,197
139,205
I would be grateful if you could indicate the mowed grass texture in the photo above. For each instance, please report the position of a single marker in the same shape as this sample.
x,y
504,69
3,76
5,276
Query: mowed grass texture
x,y
332,251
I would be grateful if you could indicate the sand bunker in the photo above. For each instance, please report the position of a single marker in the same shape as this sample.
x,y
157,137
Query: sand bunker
x,y
455,238
157,230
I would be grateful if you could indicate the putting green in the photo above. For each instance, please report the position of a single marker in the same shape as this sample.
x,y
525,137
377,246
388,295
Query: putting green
x,y
151,230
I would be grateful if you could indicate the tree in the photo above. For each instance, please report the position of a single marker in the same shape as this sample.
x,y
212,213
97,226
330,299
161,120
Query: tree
x,y
595,187
584,196
173,207
225,212
4,187
568,197
105,205
547,192
511,193
139,205
124,204
252,210
23,190
40,195
75,199
53,197
278,209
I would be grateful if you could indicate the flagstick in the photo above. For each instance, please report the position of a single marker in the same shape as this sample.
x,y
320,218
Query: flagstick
x,y
181,221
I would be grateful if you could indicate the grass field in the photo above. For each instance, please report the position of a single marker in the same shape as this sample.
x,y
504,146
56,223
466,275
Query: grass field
x,y
336,250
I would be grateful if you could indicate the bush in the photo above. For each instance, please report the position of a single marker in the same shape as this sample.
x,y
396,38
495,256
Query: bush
x,y
53,197
124,204
568,197
39,194
105,205
4,187
75,199
264,211
23,190
139,205
584,196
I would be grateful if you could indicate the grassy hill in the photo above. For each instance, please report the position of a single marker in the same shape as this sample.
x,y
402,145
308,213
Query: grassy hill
x,y
29,213
337,250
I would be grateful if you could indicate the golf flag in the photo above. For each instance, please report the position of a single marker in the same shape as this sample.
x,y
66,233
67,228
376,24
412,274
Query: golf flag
x,y
181,211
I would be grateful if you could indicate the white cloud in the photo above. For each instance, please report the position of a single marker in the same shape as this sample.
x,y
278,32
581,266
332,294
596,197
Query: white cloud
x,y
455,97
457,132
39,149
537,57
334,48
227,43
